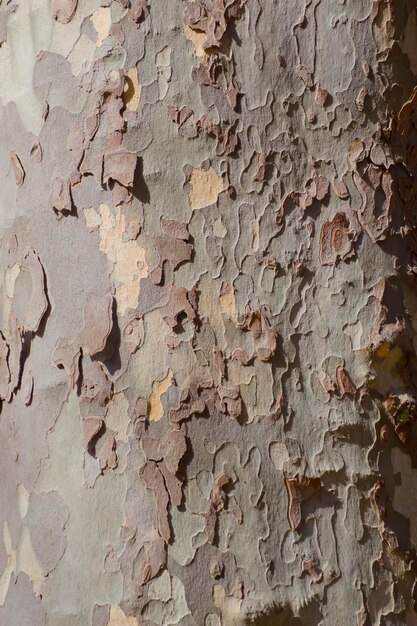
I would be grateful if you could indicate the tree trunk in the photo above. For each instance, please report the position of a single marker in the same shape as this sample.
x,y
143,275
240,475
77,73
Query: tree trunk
x,y
207,349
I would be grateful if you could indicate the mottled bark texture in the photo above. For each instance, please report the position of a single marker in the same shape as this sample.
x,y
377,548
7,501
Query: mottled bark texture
x,y
209,309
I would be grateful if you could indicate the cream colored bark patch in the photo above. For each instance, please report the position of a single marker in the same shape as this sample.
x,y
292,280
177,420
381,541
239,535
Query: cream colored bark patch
x,y
23,499
11,276
102,21
30,29
117,417
10,567
206,185
127,258
96,520
161,588
118,618
168,604
278,454
23,559
219,229
228,302
92,218
132,89
163,64
159,387
26,561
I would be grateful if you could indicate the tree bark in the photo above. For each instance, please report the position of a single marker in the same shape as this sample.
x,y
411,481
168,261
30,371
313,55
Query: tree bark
x,y
208,376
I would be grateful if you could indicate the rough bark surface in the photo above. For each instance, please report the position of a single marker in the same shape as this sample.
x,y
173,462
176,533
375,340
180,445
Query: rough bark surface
x,y
207,350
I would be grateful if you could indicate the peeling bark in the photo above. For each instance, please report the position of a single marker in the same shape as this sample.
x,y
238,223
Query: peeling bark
x,y
208,374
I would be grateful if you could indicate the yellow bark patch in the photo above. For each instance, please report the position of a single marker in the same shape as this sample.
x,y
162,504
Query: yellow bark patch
x,y
118,618
126,257
383,350
383,28
102,22
229,607
197,38
159,387
132,89
206,185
